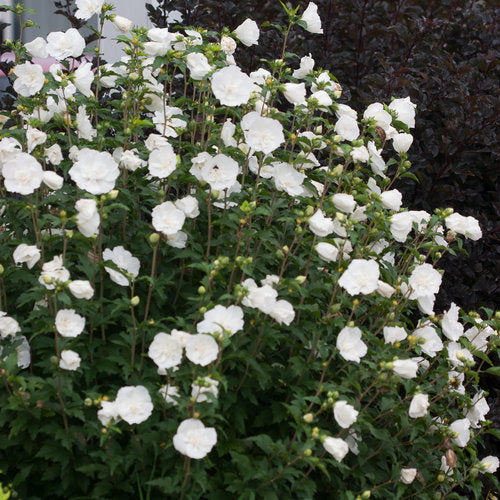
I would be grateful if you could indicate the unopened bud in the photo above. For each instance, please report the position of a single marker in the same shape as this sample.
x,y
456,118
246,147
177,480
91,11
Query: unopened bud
x,y
134,301
335,308
338,170
113,194
88,402
308,418
154,238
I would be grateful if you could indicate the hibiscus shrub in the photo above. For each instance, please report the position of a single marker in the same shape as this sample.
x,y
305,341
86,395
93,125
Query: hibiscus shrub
x,y
210,289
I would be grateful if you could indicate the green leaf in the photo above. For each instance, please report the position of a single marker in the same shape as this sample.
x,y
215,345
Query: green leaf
x,y
494,370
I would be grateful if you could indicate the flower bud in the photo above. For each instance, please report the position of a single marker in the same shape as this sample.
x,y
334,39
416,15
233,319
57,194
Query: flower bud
x,y
88,402
300,280
113,194
2,269
338,170
308,452
469,363
47,279
154,238
134,301
366,494
335,308
308,418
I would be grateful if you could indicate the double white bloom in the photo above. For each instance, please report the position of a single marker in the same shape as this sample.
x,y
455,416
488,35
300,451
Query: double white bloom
x,y
221,320
193,439
28,254
69,323
95,171
248,32
125,261
419,405
231,86
262,134
30,79
22,174
345,414
311,18
350,345
361,276
87,218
